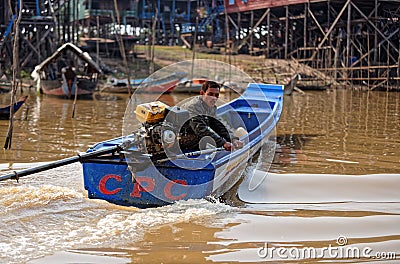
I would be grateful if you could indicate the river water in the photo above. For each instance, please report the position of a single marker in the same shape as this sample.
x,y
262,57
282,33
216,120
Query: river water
x,y
330,194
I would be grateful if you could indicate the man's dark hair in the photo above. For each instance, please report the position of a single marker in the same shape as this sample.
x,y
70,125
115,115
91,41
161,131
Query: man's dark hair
x,y
210,84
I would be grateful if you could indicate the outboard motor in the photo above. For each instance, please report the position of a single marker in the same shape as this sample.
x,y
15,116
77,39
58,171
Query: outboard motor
x,y
161,126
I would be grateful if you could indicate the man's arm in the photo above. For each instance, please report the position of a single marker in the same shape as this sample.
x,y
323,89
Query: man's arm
x,y
201,129
221,129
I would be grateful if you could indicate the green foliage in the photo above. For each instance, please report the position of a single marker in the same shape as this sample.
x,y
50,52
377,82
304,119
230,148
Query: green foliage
x,y
24,74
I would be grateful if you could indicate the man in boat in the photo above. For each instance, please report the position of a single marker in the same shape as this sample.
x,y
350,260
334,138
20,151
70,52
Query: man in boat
x,y
203,122
69,77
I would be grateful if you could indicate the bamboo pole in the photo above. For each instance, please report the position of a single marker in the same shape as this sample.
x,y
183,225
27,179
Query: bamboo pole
x,y
251,32
73,21
122,48
398,68
348,41
15,68
153,40
230,48
268,35
376,32
305,29
97,40
193,54
369,61
387,64
286,31
68,18
329,58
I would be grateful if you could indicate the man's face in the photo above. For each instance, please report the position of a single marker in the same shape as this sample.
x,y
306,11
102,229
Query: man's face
x,y
210,97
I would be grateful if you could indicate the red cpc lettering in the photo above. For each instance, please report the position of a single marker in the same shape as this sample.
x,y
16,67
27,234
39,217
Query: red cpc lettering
x,y
103,183
138,186
168,187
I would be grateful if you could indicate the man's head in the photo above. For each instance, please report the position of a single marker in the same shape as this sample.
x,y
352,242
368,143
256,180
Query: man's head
x,y
210,92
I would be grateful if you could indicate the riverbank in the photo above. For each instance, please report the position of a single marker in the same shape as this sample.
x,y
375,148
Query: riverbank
x,y
258,68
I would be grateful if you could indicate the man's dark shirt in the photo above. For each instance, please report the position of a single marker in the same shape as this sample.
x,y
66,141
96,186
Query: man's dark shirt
x,y
202,118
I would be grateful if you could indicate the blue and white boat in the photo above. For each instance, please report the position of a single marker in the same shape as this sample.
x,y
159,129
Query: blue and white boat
x,y
130,176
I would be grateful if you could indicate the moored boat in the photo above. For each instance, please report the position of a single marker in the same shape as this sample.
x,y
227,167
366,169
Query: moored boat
x,y
160,84
114,85
190,85
5,110
313,83
163,84
135,175
5,87
51,80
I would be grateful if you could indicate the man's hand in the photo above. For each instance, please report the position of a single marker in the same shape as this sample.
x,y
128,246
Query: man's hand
x,y
228,146
237,144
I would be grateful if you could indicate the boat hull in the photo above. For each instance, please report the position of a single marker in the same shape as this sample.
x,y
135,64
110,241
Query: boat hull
x,y
165,84
162,85
55,88
143,183
190,86
5,111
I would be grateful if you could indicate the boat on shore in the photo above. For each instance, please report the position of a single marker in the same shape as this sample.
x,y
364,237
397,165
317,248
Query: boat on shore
x,y
132,173
5,110
190,85
5,87
313,83
114,85
51,80
164,84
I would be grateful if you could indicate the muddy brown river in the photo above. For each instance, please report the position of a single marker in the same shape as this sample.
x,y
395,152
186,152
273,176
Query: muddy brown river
x,y
330,194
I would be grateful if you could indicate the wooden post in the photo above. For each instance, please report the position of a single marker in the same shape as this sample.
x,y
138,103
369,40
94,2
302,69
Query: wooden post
x,y
239,26
122,48
329,51
77,21
305,30
193,51
15,70
398,69
347,63
361,65
387,65
369,60
376,32
153,37
59,23
68,17
73,21
286,31
228,43
97,40
268,35
251,32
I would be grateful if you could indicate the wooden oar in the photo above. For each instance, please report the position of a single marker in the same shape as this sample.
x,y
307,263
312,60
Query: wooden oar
x,y
59,163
